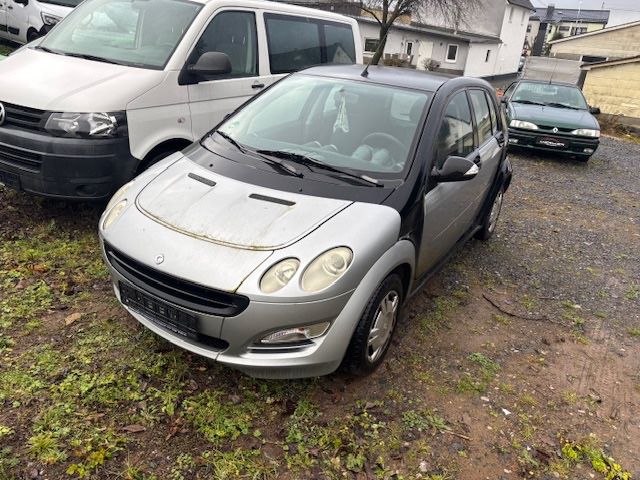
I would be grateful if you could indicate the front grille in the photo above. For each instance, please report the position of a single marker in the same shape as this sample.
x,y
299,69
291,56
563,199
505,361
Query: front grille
x,y
21,158
549,128
25,117
175,290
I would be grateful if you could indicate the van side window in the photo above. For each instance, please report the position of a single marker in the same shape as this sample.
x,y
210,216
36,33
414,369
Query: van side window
x,y
233,33
299,42
455,136
481,114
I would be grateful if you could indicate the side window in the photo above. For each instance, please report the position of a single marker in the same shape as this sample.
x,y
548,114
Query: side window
x,y
481,114
233,33
455,136
339,43
509,90
492,111
294,43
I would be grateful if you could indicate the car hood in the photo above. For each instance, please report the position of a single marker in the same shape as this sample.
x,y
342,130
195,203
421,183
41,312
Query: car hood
x,y
200,203
46,81
552,116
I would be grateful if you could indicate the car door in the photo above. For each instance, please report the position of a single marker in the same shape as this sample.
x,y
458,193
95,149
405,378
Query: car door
x,y
449,208
489,140
234,33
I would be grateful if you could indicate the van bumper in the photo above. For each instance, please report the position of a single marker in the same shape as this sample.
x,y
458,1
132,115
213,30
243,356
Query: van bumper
x,y
64,168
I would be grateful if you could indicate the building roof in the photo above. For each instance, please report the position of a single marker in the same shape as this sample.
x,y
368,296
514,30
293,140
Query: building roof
x,y
598,32
610,63
557,15
458,35
522,3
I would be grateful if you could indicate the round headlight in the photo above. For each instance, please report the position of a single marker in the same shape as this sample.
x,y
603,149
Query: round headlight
x,y
113,214
279,275
326,269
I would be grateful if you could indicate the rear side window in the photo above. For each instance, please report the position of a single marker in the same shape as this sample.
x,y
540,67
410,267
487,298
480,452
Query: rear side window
x,y
298,42
455,136
492,112
481,114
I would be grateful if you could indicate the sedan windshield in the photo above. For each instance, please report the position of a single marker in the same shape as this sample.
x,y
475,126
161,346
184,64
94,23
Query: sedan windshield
x,y
329,124
562,96
142,33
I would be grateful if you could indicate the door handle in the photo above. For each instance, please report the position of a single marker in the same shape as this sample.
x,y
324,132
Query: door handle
x,y
257,85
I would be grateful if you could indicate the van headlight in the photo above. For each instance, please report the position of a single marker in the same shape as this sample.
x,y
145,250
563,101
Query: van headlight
x,y
326,269
587,132
49,20
87,125
522,124
279,275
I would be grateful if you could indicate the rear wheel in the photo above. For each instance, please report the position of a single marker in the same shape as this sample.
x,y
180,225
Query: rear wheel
x,y
371,339
490,219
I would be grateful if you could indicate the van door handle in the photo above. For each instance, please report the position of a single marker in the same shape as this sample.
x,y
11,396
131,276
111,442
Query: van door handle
x,y
257,85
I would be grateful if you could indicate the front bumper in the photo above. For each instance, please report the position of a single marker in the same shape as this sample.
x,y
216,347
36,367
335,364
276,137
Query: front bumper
x,y
65,168
550,142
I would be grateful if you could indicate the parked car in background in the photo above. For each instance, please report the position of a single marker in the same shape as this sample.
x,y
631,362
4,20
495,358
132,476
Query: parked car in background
x,y
119,84
24,21
551,116
286,241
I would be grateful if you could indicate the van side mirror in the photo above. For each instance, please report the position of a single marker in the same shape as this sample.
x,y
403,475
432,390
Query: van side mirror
x,y
594,110
211,63
455,169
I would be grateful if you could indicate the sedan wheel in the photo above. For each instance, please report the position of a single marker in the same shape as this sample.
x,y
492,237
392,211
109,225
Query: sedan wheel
x,y
372,336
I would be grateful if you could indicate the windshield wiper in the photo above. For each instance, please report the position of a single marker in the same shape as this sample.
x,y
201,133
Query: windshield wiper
x,y
561,105
47,50
95,58
230,139
312,162
528,102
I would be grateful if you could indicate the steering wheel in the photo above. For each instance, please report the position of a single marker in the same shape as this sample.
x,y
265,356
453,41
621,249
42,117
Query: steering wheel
x,y
384,140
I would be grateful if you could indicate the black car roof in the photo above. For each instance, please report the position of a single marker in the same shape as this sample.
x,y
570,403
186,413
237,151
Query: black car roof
x,y
394,76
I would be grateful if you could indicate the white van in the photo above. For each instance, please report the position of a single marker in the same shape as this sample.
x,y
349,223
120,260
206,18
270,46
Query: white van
x,y
121,84
23,21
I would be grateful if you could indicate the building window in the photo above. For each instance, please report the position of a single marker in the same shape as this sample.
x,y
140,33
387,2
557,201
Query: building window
x,y
409,48
578,30
510,14
371,44
486,57
452,53
563,28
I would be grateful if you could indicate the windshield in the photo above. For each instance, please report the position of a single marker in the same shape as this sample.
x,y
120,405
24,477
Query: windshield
x,y
549,94
64,3
345,124
141,33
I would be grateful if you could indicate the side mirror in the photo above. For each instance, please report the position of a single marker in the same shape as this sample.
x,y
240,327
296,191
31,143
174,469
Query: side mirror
x,y
211,63
24,3
456,169
594,110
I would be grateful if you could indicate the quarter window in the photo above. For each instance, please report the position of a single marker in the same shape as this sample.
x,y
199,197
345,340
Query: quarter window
x,y
233,33
452,53
481,114
455,136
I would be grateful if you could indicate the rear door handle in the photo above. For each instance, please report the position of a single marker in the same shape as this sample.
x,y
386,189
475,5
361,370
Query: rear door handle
x,y
257,85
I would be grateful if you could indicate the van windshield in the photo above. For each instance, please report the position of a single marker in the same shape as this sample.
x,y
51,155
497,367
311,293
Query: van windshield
x,y
62,3
140,33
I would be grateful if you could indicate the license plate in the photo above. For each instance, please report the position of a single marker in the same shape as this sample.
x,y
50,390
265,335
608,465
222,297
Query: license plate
x,y
552,142
10,179
161,313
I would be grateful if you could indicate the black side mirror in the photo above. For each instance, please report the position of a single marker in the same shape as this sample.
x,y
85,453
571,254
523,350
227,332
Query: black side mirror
x,y
456,169
594,110
211,63
24,3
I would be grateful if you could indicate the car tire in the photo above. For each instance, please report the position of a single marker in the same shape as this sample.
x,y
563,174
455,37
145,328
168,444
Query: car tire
x,y
367,350
32,35
490,220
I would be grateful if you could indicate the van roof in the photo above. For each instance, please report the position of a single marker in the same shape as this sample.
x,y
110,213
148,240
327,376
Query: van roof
x,y
280,7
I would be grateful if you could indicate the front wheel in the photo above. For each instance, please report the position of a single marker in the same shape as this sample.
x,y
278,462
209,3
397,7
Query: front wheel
x,y
372,337
490,220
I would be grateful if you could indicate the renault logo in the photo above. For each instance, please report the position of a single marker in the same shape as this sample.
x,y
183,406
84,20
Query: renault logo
x,y
159,259
555,130
3,114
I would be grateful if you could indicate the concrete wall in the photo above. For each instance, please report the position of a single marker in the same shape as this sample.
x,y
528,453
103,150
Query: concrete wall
x,y
615,89
545,68
624,42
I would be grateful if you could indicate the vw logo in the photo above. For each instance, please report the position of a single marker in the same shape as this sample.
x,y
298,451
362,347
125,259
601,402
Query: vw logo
x,y
555,130
159,259
3,114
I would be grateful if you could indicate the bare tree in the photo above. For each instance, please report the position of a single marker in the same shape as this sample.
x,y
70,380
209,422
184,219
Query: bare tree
x,y
386,12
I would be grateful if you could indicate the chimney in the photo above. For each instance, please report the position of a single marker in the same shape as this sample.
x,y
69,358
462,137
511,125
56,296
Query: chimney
x,y
550,10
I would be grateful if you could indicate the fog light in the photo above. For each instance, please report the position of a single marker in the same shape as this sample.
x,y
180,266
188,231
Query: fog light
x,y
588,150
513,140
296,334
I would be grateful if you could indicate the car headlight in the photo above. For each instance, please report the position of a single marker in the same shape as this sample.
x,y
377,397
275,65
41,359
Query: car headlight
x,y
114,214
119,194
587,132
279,275
522,124
296,334
49,20
326,269
87,125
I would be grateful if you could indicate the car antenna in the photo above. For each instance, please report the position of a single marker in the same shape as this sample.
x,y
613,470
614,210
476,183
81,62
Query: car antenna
x,y
365,72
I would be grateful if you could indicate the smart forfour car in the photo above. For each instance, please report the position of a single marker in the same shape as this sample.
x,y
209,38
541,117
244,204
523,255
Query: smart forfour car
x,y
285,242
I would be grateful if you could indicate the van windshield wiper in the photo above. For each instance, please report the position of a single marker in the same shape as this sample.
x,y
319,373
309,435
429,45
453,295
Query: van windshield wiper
x,y
231,140
528,102
312,162
561,105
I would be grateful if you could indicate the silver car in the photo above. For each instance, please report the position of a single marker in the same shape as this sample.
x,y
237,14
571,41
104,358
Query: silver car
x,y
286,241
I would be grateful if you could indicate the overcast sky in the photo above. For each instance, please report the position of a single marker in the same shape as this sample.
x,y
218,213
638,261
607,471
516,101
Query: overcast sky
x,y
622,11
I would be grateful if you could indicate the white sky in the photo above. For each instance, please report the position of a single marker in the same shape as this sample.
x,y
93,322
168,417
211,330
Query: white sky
x,y
622,11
